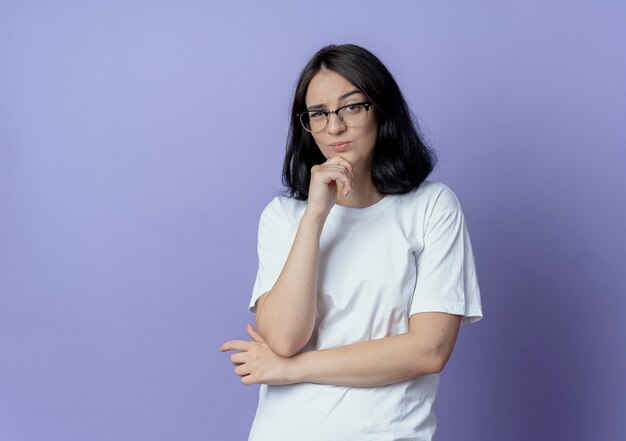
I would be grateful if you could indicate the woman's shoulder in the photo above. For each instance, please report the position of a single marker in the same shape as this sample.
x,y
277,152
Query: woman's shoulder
x,y
433,195
284,207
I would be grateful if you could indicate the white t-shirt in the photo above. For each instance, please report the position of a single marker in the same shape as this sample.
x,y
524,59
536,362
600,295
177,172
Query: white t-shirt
x,y
378,265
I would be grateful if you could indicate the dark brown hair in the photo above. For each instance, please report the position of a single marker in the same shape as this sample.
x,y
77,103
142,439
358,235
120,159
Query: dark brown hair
x,y
401,159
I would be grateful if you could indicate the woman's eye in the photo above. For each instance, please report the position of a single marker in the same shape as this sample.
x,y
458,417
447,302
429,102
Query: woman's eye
x,y
316,115
353,108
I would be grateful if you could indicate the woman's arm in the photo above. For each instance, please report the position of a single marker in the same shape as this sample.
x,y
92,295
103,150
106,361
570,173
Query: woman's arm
x,y
285,315
424,349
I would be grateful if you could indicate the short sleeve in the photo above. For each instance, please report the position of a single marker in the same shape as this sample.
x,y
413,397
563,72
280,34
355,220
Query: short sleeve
x,y
446,271
272,248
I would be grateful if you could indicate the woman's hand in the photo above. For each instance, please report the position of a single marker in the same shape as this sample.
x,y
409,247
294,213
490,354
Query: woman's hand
x,y
323,187
255,362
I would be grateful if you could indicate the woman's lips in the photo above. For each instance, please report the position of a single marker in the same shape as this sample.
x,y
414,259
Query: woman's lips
x,y
340,146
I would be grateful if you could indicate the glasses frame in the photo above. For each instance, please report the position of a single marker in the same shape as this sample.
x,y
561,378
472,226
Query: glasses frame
x,y
327,113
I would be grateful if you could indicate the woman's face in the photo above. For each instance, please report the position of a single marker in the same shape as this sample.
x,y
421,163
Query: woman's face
x,y
328,91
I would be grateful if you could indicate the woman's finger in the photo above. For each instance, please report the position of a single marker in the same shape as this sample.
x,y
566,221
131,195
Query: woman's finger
x,y
335,173
346,186
341,166
235,345
343,162
238,358
249,379
242,370
343,169
254,334
346,182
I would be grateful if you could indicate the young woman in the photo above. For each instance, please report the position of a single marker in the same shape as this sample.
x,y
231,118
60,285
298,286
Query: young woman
x,y
365,270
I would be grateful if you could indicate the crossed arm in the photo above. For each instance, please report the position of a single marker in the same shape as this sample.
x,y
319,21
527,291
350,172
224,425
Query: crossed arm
x,y
424,349
285,320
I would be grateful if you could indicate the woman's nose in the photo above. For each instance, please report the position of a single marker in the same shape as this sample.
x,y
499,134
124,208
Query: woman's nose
x,y
335,125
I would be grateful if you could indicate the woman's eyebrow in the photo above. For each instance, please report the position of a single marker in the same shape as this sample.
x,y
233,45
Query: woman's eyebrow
x,y
347,94
341,98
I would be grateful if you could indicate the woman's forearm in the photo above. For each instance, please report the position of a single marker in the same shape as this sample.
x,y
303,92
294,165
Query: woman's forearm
x,y
286,314
372,363
424,350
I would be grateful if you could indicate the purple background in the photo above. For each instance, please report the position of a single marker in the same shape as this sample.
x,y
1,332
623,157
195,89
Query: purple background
x,y
139,142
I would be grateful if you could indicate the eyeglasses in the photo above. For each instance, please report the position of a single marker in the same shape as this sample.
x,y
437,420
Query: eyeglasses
x,y
351,115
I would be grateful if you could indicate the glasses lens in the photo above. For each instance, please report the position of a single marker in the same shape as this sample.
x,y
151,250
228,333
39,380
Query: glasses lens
x,y
353,115
314,121
304,120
